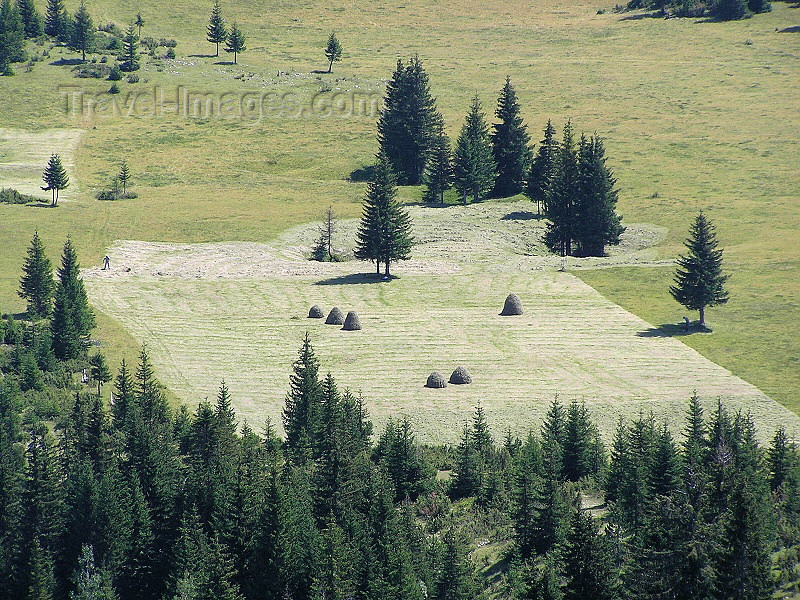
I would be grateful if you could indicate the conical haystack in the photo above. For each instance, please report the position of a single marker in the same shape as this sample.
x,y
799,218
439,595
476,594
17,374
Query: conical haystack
x,y
335,317
352,322
460,376
315,312
436,380
513,306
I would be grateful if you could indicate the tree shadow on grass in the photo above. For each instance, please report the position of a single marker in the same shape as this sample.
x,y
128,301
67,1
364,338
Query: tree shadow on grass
x,y
521,215
225,62
354,278
362,174
638,17
202,56
42,204
67,62
321,72
792,29
673,330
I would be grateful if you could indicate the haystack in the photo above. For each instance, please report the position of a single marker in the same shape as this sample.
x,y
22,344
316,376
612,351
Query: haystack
x,y
335,317
460,376
352,322
513,306
436,380
315,312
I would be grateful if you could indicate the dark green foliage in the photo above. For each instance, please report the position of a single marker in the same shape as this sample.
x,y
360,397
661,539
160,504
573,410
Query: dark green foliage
x,y
407,122
55,18
466,479
323,247
699,281
12,36
73,319
759,6
397,452
582,450
596,222
12,196
526,490
82,38
55,177
588,563
31,19
216,31
438,177
473,162
235,42
37,284
454,580
124,175
561,194
510,145
302,404
333,51
729,10
91,582
99,371
542,169
129,58
384,233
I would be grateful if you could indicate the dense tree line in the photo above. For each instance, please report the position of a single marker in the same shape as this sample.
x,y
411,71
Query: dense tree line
x,y
721,10
141,501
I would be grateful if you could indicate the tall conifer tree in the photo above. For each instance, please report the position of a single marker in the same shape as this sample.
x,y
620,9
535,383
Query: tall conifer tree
x,y
473,162
302,404
31,19
510,145
73,319
55,177
438,176
542,169
235,42
37,284
216,31
561,194
82,38
130,52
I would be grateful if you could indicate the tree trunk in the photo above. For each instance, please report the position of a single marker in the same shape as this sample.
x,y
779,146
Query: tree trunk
x,y
475,196
702,317
386,273
217,54
234,58
377,267
330,66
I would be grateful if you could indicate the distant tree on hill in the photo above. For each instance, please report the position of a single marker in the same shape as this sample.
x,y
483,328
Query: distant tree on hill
x,y
699,280
55,177
406,123
12,37
729,10
235,42
124,176
333,51
216,31
438,177
82,38
37,284
31,19
99,371
384,233
542,169
323,249
55,18
139,22
510,145
130,52
473,162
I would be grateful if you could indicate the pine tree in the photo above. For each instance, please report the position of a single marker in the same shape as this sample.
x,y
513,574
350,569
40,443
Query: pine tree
x,y
466,479
323,250
235,42
302,403
139,22
454,579
216,31
406,123
55,177
333,51
73,319
37,284
31,19
596,222
553,441
526,488
91,582
122,398
130,52
542,169
12,36
124,176
384,233
665,465
438,177
99,370
561,194
699,281
581,439
473,162
82,38
54,18
587,562
510,145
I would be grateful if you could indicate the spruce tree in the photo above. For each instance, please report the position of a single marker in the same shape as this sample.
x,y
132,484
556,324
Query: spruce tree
x,y
216,31
53,20
99,370
596,221
235,42
438,177
139,22
31,19
333,51
699,280
510,145
73,319
124,176
526,487
55,177
588,566
302,404
384,233
91,582
82,38
561,194
37,284
12,36
130,52
542,169
473,162
454,579
466,479
406,123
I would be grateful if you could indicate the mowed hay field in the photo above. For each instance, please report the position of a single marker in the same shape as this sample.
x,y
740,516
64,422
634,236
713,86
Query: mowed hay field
x,y
238,312
695,115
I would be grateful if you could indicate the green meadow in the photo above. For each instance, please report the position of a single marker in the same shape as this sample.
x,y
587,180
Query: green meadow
x,y
695,116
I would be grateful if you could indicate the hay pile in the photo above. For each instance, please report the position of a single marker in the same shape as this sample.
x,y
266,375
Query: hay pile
x,y
315,312
352,322
436,380
460,376
513,306
335,317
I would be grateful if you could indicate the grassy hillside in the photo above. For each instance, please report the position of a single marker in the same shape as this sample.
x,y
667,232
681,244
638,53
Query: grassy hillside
x,y
696,115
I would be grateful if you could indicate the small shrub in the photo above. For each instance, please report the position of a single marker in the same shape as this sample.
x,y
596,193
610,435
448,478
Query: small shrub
x,y
170,53
149,43
114,89
11,196
133,78
115,74
167,43
103,59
